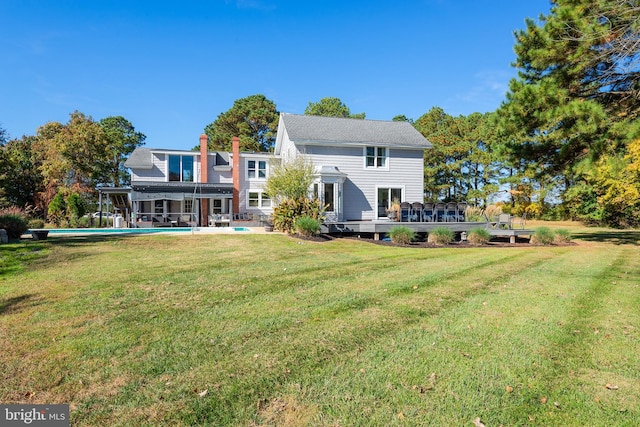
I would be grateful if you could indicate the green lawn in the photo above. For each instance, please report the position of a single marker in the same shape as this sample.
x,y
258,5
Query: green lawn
x,y
269,330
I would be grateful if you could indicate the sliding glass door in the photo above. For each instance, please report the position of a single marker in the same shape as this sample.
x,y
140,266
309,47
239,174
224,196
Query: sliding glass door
x,y
386,196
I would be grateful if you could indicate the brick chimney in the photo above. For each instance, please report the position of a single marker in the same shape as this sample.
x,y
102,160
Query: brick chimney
x,y
204,177
235,151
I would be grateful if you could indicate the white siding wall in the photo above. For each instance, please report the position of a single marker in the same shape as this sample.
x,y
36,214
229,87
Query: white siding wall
x,y
155,174
158,172
251,185
216,177
360,188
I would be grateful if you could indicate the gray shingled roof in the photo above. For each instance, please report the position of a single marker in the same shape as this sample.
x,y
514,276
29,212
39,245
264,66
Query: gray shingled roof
x,y
318,129
140,159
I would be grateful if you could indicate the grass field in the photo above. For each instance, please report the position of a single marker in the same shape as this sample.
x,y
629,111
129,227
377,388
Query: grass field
x,y
269,330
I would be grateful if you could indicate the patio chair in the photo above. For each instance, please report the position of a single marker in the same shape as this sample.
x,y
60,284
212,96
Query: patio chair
x,y
504,221
405,211
519,221
440,212
186,221
461,209
451,212
416,211
427,212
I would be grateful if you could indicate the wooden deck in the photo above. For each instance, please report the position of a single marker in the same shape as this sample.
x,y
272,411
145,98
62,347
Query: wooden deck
x,y
379,228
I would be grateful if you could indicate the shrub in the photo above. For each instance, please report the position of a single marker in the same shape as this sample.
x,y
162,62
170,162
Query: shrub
x,y
76,206
289,210
493,211
307,226
57,209
474,214
14,221
543,236
440,236
402,234
35,223
561,236
479,236
84,222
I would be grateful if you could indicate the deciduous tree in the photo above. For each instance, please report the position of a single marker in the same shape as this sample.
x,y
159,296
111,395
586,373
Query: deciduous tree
x,y
20,177
290,180
121,140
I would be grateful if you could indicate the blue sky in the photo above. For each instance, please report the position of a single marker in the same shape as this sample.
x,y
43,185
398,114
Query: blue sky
x,y
171,67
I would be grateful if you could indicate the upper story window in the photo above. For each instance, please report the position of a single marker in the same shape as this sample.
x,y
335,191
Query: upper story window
x,y
181,168
257,169
376,157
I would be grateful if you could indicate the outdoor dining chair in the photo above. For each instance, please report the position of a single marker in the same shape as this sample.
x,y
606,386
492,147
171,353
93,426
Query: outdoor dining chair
x,y
461,209
416,211
427,212
405,211
440,212
451,212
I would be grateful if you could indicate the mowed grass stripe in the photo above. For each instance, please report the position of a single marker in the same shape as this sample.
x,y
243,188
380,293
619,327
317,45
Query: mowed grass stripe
x,y
352,348
489,358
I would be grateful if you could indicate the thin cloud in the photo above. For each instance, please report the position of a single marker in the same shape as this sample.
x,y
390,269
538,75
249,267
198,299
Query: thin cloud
x,y
488,91
255,5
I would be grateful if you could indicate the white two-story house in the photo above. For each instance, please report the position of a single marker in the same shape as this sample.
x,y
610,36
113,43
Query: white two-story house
x,y
361,166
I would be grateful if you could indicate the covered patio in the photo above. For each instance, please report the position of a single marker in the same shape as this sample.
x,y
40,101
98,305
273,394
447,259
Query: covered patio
x,y
180,205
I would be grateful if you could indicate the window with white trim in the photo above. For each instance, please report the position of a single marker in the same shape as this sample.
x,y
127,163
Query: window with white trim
x,y
265,201
376,157
188,206
257,169
258,199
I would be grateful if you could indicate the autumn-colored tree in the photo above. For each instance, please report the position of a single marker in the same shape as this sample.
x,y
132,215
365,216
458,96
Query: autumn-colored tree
x,y
82,154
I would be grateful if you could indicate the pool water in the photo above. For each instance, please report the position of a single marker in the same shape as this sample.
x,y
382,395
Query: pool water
x,y
137,230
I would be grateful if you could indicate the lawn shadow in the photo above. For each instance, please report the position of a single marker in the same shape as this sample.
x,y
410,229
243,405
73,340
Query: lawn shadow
x,y
80,240
16,304
615,237
85,242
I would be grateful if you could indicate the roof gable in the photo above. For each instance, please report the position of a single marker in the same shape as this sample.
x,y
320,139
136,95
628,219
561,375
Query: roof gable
x,y
328,130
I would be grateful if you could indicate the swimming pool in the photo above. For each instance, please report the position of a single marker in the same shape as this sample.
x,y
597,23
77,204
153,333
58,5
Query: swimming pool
x,y
59,231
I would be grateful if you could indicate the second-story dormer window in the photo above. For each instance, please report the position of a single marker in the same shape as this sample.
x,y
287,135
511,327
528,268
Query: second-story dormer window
x,y
376,157
256,169
180,168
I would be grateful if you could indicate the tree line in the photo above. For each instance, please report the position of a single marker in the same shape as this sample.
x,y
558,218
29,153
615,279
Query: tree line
x,y
565,142
60,166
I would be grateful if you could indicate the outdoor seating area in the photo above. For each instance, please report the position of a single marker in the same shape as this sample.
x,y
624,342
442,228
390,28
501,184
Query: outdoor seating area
x,y
150,220
431,212
508,222
219,220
